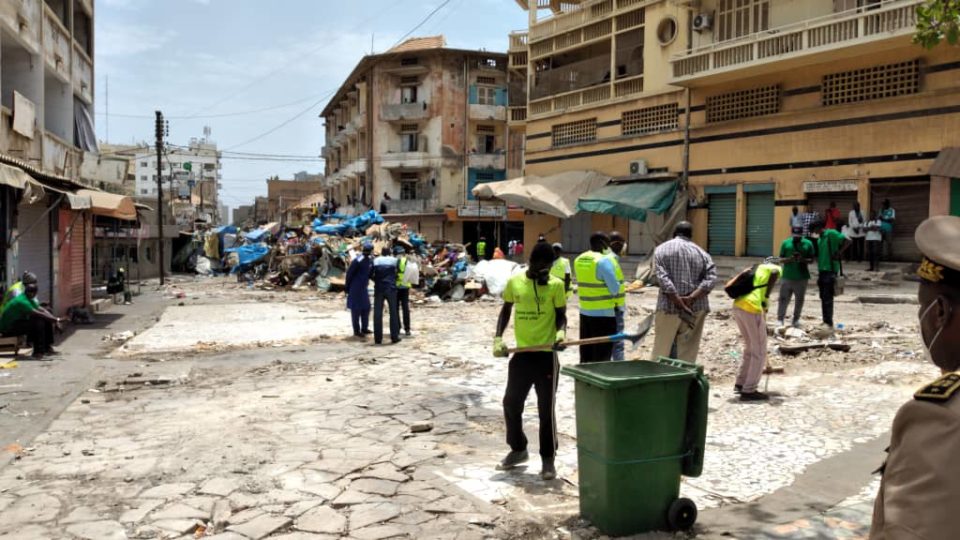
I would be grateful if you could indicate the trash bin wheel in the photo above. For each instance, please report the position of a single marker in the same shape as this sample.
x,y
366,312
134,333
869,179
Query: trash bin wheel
x,y
682,514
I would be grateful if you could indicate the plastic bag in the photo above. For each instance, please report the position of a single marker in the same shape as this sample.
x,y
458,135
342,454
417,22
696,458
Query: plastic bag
x,y
411,273
496,274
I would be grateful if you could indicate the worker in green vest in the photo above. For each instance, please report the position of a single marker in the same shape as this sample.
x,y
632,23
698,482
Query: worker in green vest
x,y
403,287
561,268
598,290
618,246
482,249
18,288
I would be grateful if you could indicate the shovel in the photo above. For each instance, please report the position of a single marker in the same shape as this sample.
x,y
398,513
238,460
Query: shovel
x,y
636,337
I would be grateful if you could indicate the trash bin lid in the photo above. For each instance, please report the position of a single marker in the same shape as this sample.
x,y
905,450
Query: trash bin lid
x,y
613,375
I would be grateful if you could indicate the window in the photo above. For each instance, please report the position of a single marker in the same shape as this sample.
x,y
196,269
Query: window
x,y
144,164
667,31
875,82
409,137
408,186
409,61
486,139
574,132
486,95
143,178
743,104
492,81
144,191
408,94
738,18
154,178
650,119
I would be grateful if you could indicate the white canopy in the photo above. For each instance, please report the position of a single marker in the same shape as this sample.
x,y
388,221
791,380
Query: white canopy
x,y
556,195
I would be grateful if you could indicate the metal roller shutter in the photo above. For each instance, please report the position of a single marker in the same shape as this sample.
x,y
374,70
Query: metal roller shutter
x,y
722,224
760,224
819,202
576,233
73,260
911,200
34,246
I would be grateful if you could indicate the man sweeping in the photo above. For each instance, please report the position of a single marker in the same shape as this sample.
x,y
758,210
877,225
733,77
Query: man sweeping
x,y
541,305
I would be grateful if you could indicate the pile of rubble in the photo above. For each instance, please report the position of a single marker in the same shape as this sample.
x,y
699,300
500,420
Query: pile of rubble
x,y
317,256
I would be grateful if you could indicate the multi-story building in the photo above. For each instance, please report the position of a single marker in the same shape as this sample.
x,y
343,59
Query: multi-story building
x,y
754,106
285,194
48,147
421,124
243,215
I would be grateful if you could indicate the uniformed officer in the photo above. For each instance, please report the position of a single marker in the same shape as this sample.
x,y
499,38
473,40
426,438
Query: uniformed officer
x,y
920,491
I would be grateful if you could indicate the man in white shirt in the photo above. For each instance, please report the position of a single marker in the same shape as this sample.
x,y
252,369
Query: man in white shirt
x,y
856,222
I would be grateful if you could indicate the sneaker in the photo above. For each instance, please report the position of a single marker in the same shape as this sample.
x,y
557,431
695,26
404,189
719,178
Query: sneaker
x,y
780,323
737,388
548,472
513,459
754,396
407,333
796,324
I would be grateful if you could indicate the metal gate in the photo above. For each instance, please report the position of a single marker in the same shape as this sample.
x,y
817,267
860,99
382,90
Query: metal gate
x,y
760,224
722,224
576,233
911,200
73,261
34,247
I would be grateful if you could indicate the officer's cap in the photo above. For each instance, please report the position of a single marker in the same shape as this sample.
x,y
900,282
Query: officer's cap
x,y
939,240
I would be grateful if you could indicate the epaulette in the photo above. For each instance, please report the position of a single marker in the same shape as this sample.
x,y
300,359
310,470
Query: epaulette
x,y
940,390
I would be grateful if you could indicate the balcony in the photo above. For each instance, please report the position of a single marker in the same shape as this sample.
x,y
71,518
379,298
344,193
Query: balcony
x,y
487,161
408,161
82,76
57,50
577,15
412,206
399,112
797,44
518,115
488,113
59,157
15,143
356,167
23,19
588,97
518,41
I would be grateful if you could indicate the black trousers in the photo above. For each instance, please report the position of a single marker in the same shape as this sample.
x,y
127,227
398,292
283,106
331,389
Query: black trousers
x,y
390,296
39,332
596,327
403,301
857,250
873,248
361,321
826,283
538,370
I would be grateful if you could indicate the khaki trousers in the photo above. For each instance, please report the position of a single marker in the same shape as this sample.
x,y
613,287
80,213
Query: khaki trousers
x,y
670,329
753,329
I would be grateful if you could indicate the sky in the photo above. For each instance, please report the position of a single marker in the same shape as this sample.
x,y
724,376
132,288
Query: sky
x,y
258,72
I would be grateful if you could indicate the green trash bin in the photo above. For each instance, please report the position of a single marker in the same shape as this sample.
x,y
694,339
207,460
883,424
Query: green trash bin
x,y
640,426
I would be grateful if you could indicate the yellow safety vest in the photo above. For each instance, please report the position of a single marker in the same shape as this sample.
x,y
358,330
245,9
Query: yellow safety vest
x,y
592,291
622,299
401,268
756,300
559,271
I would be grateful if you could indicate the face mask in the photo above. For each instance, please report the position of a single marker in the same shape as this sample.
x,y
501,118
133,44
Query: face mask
x,y
543,276
927,347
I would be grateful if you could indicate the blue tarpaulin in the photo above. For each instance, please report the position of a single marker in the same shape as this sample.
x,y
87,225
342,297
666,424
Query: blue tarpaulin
x,y
256,235
357,223
248,255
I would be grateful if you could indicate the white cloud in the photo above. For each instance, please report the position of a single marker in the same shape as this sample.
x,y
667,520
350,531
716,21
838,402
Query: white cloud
x,y
130,39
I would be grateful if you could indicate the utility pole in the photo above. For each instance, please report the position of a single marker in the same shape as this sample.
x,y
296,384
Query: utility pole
x,y
159,134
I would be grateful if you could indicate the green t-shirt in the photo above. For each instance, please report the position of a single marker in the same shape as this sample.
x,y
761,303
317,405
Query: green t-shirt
x,y
796,271
17,309
829,244
535,322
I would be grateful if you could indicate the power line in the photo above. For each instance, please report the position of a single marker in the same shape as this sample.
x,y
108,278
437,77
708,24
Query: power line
x,y
421,23
284,124
221,115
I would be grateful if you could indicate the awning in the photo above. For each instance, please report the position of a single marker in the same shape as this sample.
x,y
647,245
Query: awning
x,y
947,163
19,179
111,205
555,195
631,201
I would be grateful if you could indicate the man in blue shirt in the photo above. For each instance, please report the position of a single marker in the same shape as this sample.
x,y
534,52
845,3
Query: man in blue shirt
x,y
358,299
598,291
385,290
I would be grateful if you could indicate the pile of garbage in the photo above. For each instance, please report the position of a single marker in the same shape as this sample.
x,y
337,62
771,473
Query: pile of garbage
x,y
318,254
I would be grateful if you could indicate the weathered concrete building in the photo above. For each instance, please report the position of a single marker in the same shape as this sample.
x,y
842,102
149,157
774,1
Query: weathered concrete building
x,y
421,124
760,105
283,195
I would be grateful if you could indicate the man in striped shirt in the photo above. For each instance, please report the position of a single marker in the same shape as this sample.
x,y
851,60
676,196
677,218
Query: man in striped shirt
x,y
686,274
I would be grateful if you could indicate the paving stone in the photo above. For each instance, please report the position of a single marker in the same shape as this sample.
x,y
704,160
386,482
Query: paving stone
x,y
81,514
179,526
179,511
98,530
220,515
384,471
299,508
371,514
166,491
262,526
378,532
220,486
373,485
200,503
244,516
350,496
31,509
28,532
322,519
305,536
416,517
226,536
137,514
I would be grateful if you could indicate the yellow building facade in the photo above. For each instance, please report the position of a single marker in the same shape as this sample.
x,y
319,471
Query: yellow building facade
x,y
760,105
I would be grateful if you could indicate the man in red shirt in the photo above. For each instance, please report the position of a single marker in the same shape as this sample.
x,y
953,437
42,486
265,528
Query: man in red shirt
x,y
832,217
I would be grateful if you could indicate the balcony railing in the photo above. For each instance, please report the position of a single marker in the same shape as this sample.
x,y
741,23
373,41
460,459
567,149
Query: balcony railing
x,y
887,19
412,206
57,44
487,161
518,114
59,157
82,75
579,15
518,41
24,19
403,111
488,112
592,96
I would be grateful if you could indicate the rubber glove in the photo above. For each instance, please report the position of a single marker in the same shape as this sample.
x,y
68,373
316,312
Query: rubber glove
x,y
499,348
557,342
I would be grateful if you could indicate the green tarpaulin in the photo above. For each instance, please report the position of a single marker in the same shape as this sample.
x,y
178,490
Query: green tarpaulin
x,y
631,201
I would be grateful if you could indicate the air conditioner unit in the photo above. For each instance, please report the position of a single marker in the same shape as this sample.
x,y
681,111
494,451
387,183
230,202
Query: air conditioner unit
x,y
702,21
638,167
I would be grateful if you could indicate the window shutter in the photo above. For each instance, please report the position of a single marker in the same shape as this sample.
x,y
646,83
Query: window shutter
x,y
501,97
473,94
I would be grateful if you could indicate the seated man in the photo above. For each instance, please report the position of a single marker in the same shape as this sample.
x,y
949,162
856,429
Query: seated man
x,y
17,288
22,315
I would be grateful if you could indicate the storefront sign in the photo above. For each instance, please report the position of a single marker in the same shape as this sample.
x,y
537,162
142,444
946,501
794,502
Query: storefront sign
x,y
482,211
830,186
